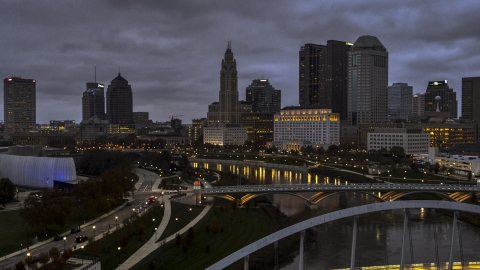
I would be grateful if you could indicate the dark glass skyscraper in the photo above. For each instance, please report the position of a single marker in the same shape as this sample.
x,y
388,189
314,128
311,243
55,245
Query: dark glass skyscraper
x,y
471,98
93,101
119,101
19,105
323,73
448,101
263,96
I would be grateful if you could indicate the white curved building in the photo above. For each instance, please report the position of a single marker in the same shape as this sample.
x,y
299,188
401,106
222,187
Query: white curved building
x,y
36,171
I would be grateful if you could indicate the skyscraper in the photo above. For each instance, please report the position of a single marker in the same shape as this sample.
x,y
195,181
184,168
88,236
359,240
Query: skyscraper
x,y
367,81
227,110
93,101
119,101
263,96
471,98
323,71
19,97
400,101
448,101
418,104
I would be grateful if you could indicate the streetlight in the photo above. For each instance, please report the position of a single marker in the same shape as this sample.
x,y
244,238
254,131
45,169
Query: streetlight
x,y
153,223
116,222
119,255
176,219
155,234
190,214
93,231
82,254
64,239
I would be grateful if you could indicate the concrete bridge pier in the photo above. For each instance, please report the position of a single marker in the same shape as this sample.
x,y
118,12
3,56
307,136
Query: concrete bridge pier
x,y
198,196
302,245
454,227
354,242
405,226
245,262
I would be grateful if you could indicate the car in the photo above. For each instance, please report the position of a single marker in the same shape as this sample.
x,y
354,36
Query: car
x,y
81,238
128,204
75,230
57,238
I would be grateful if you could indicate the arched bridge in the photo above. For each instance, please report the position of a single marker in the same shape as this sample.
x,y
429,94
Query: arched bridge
x,y
384,192
350,212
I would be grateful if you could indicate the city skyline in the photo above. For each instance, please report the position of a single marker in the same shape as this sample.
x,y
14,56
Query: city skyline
x,y
169,52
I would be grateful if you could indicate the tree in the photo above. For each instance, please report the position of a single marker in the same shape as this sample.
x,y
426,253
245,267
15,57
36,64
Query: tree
x,y
7,190
52,207
397,151
436,167
19,266
43,258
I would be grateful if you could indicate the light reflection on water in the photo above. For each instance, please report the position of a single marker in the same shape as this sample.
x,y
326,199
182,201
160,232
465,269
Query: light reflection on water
x,y
379,237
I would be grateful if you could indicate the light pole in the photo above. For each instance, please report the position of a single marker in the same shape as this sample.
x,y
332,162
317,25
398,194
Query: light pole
x,y
190,214
155,234
119,255
64,239
153,222
176,219
28,242
82,254
28,260
21,245
116,222
93,232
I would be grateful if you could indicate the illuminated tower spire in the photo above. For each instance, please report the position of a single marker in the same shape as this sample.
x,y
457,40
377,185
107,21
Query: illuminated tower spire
x,y
228,95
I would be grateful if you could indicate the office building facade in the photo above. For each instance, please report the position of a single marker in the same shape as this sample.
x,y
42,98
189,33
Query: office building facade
x,y
367,81
93,101
399,101
119,101
318,126
19,97
471,98
448,98
418,104
263,96
413,141
323,74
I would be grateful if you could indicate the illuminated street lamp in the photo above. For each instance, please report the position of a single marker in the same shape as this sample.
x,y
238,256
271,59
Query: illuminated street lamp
x,y
176,220
116,222
64,240
190,214
93,231
82,254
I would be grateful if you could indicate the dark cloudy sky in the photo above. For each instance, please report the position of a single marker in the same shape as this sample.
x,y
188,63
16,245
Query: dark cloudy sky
x,y
170,51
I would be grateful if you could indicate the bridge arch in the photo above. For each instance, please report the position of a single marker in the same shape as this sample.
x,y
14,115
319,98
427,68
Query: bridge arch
x,y
440,194
349,212
338,192
255,195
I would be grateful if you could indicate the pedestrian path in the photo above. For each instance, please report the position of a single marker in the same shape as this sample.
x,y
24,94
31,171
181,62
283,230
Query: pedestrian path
x,y
151,245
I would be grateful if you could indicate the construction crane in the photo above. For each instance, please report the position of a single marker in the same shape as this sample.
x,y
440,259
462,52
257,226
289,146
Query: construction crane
x,y
172,116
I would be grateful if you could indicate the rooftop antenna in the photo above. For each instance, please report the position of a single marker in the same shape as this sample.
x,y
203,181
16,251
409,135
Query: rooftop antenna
x,y
95,73
229,43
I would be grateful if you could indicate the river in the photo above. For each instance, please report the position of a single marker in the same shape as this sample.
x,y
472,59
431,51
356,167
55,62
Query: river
x,y
379,237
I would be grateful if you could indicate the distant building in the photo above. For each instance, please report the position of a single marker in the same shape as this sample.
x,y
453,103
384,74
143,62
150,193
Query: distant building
x,y
263,96
93,128
367,81
448,101
471,99
93,101
319,127
418,104
222,134
119,102
19,99
195,131
413,141
140,118
323,73
259,126
61,123
399,101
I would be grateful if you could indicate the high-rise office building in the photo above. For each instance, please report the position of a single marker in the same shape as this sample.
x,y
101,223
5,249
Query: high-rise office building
x,y
119,101
228,109
399,101
263,96
19,97
418,104
448,98
323,73
367,81
93,101
471,98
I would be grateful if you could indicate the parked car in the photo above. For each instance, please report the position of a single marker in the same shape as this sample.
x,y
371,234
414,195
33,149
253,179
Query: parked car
x,y
57,238
81,238
75,230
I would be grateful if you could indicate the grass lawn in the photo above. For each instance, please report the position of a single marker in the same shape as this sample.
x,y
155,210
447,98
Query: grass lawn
x,y
181,212
13,229
240,228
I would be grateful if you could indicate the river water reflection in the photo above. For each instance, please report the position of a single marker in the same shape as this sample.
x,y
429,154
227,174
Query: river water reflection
x,y
379,237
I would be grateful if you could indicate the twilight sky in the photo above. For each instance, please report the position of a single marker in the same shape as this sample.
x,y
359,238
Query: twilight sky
x,y
170,51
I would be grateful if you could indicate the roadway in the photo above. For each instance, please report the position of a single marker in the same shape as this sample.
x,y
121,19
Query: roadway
x,y
107,222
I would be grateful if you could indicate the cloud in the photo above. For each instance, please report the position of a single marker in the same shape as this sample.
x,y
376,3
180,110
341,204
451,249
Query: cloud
x,y
170,51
